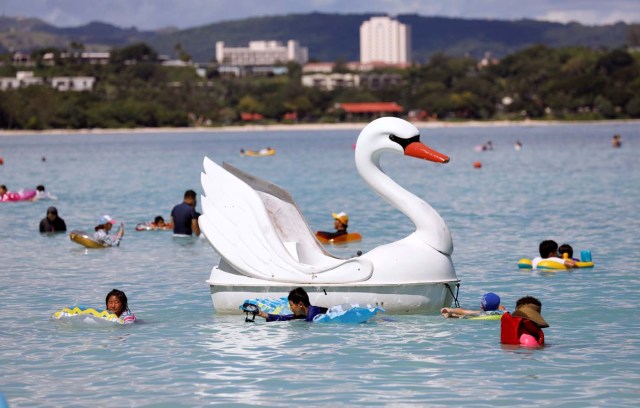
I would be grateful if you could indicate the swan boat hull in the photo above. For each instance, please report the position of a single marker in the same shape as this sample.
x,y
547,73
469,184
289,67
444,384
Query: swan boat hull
x,y
229,290
394,299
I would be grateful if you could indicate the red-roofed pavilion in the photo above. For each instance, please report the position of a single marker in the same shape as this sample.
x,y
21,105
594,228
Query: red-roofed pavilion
x,y
371,109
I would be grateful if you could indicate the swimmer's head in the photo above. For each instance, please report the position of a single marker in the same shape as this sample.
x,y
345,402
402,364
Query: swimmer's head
x,y
565,249
490,301
116,302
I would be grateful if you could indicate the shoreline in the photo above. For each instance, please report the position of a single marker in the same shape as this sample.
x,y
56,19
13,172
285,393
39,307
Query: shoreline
x,y
305,127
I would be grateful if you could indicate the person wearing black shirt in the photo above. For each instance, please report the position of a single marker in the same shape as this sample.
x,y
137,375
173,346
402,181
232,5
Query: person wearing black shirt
x,y
52,223
185,217
340,223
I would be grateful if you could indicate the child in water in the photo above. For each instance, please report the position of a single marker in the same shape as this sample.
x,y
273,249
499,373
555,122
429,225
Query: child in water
x,y
549,250
116,303
300,306
524,326
568,250
490,302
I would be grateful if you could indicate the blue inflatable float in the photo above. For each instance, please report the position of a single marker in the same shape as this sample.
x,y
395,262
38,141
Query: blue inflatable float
x,y
344,313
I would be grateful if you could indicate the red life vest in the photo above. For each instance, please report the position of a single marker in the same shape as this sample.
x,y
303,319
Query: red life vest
x,y
511,328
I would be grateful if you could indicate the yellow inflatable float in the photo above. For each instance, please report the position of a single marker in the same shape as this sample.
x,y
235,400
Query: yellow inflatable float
x,y
342,239
86,240
552,264
258,153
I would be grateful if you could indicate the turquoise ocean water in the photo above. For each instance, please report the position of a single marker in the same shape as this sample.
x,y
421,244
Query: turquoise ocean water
x,y
566,184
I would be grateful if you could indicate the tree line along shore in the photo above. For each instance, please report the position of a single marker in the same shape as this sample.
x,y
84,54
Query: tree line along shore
x,y
134,91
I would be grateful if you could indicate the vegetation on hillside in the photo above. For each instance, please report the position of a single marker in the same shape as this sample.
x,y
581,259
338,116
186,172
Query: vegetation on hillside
x,y
538,82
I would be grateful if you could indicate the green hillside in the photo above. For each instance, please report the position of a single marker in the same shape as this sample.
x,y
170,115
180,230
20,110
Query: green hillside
x,y
329,37
336,36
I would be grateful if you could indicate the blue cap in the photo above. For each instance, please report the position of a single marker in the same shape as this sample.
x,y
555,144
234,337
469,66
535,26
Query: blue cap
x,y
490,301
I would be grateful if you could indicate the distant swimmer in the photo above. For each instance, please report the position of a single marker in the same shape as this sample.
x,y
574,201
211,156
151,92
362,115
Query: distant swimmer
x,y
157,224
518,145
340,223
42,194
549,250
616,141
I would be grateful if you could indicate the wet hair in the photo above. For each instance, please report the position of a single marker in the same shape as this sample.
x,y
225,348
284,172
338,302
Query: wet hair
x,y
158,219
565,249
99,227
40,187
547,247
190,194
528,300
120,295
299,295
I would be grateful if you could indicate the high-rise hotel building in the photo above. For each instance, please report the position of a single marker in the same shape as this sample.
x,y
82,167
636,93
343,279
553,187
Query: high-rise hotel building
x,y
385,40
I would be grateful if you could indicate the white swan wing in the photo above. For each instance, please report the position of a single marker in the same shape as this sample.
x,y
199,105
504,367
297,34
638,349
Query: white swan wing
x,y
238,226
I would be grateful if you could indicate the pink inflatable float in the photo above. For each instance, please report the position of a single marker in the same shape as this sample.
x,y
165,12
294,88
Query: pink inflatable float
x,y
22,195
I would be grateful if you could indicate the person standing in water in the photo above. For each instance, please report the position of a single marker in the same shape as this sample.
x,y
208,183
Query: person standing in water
x,y
52,222
184,216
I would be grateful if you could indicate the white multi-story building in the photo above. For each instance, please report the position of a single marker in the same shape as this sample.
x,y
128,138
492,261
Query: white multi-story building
x,y
262,53
93,58
26,78
77,84
331,81
21,80
383,39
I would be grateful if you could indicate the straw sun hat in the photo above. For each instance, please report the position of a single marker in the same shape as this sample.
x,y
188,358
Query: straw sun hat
x,y
531,312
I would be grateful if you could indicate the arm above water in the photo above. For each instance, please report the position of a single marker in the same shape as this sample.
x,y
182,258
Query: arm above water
x,y
458,312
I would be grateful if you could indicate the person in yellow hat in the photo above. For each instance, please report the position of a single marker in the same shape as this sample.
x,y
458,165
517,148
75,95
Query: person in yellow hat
x,y
340,223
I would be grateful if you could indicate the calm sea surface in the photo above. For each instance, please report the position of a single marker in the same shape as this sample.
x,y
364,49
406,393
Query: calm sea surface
x,y
566,184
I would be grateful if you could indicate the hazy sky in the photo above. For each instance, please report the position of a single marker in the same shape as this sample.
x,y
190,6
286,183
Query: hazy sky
x,y
151,14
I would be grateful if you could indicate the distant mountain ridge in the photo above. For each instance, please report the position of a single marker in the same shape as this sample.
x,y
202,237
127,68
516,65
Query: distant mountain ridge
x,y
329,37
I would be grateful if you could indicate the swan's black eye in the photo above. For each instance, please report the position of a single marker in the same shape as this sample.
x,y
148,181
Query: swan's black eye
x,y
404,142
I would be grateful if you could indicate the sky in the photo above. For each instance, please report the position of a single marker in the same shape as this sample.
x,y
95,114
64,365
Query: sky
x,y
154,14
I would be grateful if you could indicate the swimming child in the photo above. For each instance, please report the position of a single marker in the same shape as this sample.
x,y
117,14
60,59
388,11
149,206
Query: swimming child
x,y
566,249
42,194
300,306
116,303
158,223
490,302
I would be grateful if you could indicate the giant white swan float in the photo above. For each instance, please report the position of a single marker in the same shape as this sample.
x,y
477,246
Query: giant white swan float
x,y
267,248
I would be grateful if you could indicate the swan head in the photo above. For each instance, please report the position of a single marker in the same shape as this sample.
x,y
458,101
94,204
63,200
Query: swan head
x,y
389,134
398,136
